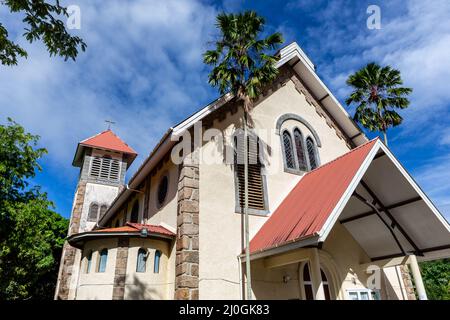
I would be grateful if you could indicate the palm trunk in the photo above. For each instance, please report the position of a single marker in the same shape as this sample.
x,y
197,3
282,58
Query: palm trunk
x,y
246,218
385,138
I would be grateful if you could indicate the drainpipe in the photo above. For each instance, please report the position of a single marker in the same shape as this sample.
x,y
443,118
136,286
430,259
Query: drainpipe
x,y
134,190
240,277
415,270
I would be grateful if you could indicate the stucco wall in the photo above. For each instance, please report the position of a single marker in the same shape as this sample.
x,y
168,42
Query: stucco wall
x,y
275,284
220,226
138,285
97,285
149,285
167,212
99,193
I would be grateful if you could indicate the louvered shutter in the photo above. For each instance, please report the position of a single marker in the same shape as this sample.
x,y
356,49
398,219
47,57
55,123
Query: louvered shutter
x,y
255,181
105,168
96,166
115,170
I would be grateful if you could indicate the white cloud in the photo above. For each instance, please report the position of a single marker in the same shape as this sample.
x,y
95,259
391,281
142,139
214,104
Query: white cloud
x,y
414,38
416,43
142,68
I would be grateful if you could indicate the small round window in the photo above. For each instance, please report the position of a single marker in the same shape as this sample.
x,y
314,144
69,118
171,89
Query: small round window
x,y
162,189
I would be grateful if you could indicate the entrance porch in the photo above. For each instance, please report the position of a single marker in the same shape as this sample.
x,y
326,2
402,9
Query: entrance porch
x,y
352,229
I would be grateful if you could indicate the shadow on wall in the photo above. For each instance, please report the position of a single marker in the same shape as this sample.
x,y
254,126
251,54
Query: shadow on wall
x,y
140,290
387,290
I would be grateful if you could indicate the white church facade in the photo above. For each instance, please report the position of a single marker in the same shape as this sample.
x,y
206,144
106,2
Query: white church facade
x,y
332,214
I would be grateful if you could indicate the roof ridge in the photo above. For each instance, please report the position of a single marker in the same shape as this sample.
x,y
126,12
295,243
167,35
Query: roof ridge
x,y
344,155
109,134
121,140
95,135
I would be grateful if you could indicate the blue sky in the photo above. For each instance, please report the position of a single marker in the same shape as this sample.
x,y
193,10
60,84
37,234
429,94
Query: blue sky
x,y
143,69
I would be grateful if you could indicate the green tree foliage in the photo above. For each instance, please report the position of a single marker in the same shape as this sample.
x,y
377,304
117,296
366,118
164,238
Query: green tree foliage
x,y
436,278
377,92
42,23
31,234
241,64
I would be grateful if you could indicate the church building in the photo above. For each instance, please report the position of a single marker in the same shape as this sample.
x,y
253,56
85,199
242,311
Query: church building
x,y
332,215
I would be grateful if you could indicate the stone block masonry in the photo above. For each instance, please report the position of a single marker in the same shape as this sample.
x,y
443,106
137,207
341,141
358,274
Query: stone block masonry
x,y
68,259
187,242
121,269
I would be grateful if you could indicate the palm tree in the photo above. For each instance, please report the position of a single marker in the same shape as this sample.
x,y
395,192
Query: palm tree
x,y
242,67
377,92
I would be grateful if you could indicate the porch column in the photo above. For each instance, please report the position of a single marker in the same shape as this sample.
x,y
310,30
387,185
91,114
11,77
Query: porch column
x,y
319,293
417,278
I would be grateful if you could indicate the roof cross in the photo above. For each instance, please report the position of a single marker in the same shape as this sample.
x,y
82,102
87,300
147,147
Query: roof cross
x,y
109,122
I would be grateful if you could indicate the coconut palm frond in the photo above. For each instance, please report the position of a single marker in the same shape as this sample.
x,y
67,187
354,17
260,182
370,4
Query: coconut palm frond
x,y
377,92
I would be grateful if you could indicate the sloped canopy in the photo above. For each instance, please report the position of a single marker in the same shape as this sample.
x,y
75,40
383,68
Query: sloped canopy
x,y
106,140
129,230
372,195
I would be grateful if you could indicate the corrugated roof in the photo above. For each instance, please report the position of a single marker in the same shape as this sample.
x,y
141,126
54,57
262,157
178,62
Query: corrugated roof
x,y
307,207
108,140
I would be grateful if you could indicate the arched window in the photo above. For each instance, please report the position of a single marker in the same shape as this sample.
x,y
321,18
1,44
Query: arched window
x,y
307,284
103,260
135,212
141,260
300,151
88,262
157,261
288,150
102,210
93,212
326,285
312,156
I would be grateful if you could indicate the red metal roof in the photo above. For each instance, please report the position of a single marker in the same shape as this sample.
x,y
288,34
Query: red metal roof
x,y
108,140
306,208
137,227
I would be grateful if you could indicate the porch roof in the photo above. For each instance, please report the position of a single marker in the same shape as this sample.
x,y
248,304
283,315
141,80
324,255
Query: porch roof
x,y
372,195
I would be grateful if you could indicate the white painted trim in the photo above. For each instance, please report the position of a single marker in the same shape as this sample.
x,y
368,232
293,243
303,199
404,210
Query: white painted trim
x,y
210,108
80,236
416,187
286,54
293,50
285,247
168,227
358,292
357,178
329,223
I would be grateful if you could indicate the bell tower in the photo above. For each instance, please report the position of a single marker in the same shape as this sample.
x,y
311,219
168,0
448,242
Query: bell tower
x,y
103,161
